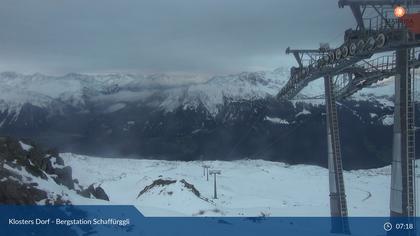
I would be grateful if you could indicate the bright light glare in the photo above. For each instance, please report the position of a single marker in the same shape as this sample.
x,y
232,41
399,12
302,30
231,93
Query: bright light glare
x,y
399,11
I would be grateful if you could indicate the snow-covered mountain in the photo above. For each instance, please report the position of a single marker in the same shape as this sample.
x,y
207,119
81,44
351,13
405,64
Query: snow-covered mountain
x,y
190,117
113,91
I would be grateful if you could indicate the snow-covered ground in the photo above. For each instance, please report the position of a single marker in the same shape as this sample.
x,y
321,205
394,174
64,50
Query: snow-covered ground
x,y
245,188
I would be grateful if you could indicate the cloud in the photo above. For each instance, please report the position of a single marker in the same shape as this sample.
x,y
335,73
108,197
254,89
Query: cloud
x,y
191,36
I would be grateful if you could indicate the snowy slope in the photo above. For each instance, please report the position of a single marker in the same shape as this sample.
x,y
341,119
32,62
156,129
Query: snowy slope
x,y
245,188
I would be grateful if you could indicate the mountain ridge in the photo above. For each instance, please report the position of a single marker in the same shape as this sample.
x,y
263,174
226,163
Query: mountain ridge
x,y
161,91
226,117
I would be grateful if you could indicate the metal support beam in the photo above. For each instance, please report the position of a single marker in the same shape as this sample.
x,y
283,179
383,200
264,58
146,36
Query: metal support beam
x,y
402,173
206,171
215,172
357,13
215,187
298,59
300,53
338,204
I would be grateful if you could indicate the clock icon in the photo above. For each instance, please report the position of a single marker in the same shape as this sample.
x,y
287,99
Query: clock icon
x,y
387,226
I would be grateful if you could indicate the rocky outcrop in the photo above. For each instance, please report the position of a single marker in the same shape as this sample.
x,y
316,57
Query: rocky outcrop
x,y
96,192
23,164
183,185
191,187
64,175
158,182
13,191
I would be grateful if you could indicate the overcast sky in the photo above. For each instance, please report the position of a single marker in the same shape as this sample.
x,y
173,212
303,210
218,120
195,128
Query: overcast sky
x,y
162,36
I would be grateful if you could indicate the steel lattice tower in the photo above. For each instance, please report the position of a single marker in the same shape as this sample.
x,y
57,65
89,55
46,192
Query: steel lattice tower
x,y
345,71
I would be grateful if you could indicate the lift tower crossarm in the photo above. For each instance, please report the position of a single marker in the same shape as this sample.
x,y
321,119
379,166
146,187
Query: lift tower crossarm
x,y
299,53
289,50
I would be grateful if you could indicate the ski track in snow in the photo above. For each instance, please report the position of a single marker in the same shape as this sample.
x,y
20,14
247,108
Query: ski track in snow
x,y
245,187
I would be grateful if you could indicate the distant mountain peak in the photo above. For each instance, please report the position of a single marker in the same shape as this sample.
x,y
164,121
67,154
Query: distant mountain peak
x,y
163,91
